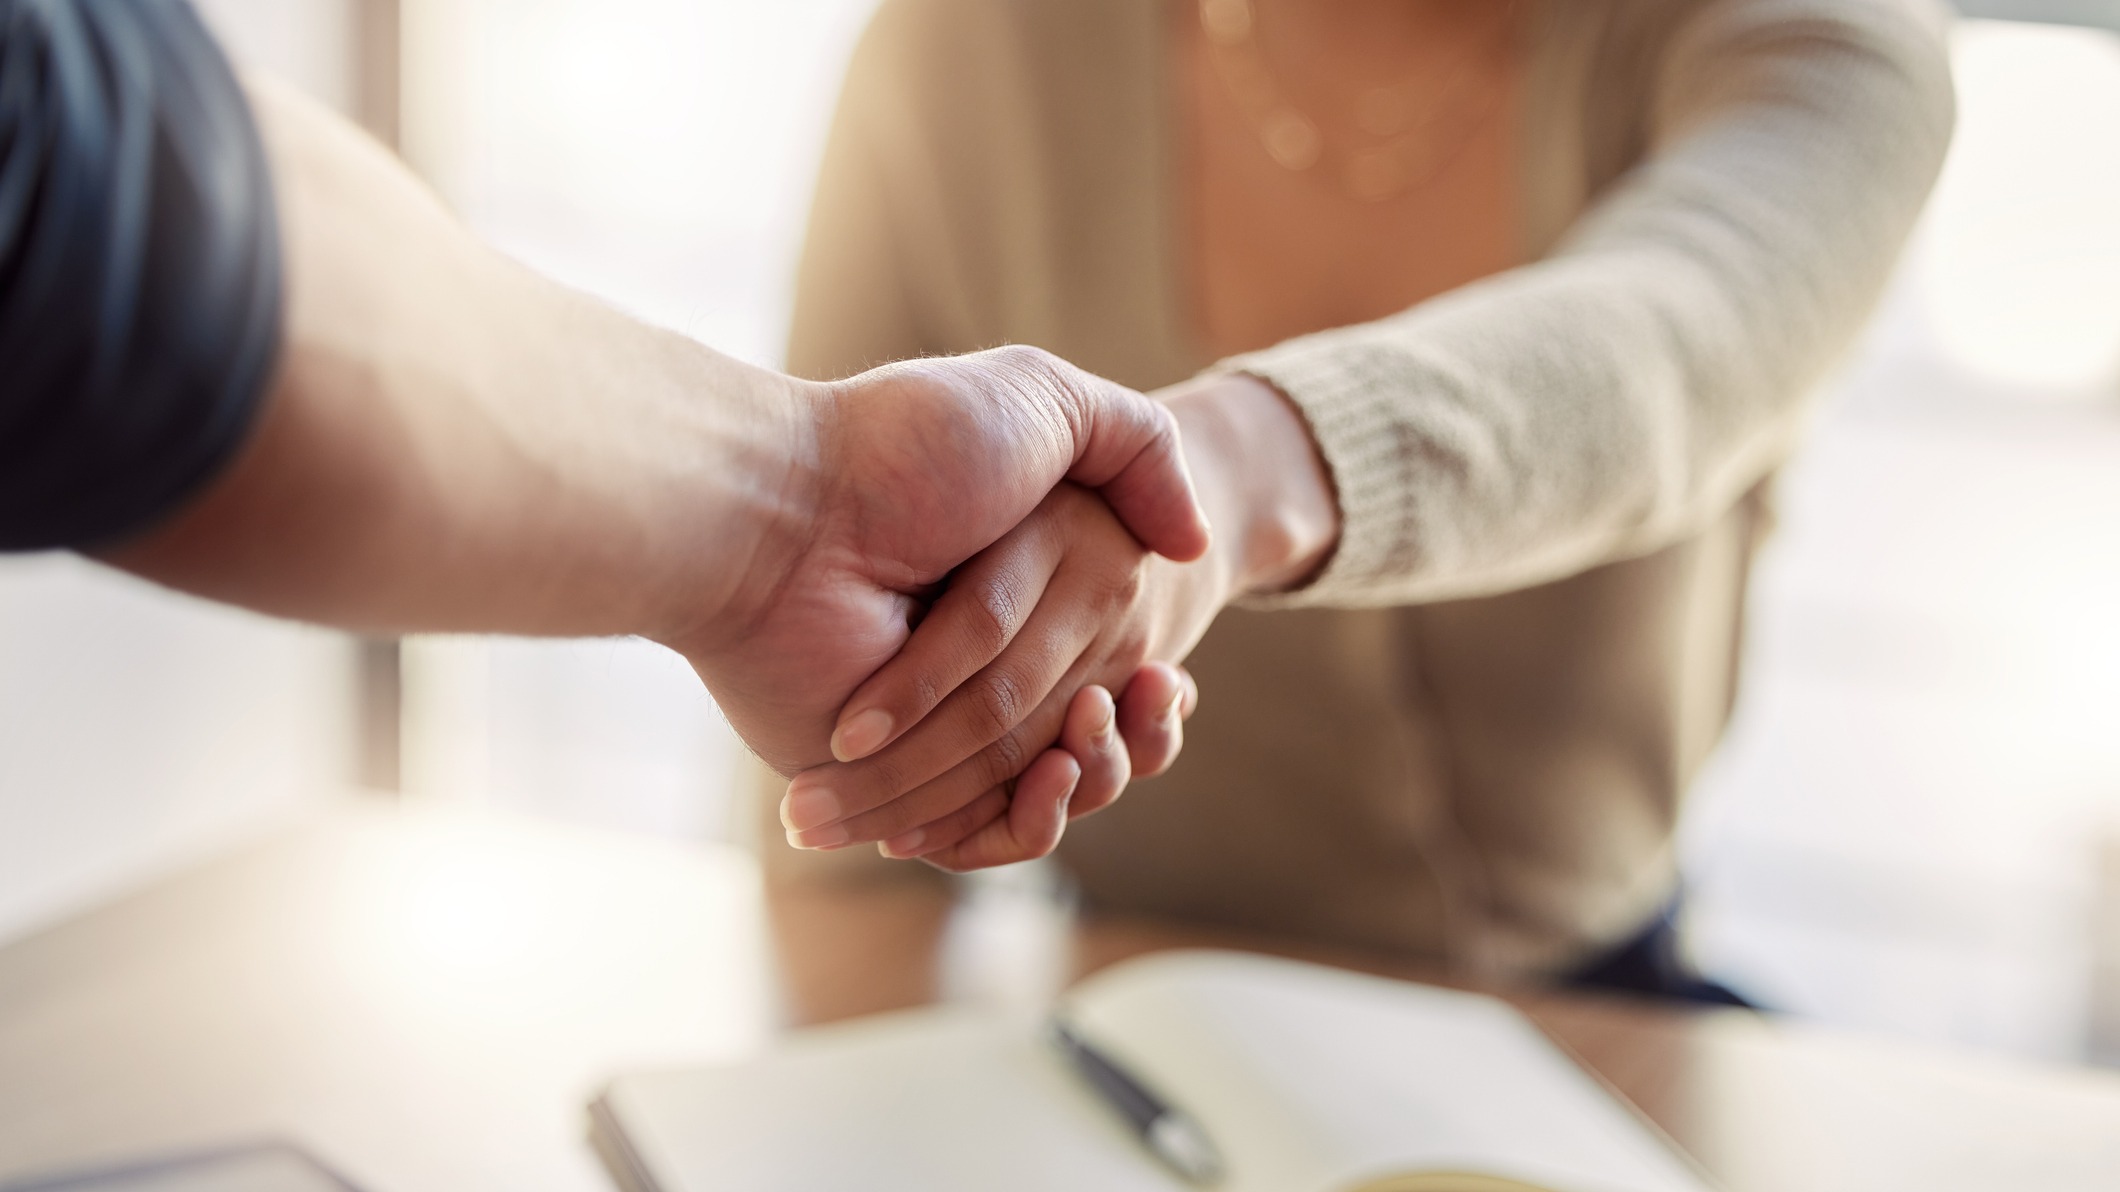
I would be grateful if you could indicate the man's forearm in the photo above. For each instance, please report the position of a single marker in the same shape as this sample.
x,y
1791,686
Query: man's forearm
x,y
455,443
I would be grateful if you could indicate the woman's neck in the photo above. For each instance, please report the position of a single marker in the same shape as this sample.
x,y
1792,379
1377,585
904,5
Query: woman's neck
x,y
1345,159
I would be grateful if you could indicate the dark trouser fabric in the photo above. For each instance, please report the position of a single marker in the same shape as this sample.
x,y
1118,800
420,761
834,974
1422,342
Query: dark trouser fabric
x,y
1653,965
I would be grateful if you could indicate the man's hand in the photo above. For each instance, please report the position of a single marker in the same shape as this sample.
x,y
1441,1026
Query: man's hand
x,y
913,469
453,443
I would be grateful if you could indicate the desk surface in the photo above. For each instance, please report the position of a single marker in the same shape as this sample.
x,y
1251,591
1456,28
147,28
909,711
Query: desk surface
x,y
1765,1105
426,1002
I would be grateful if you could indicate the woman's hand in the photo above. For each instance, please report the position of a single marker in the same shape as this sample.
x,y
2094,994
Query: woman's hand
x,y
1102,746
993,681
1066,599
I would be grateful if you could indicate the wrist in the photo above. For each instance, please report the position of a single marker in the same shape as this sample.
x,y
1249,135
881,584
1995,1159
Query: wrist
x,y
1267,491
750,507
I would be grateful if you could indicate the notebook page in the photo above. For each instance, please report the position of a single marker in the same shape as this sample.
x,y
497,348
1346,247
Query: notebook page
x,y
933,1101
1314,1079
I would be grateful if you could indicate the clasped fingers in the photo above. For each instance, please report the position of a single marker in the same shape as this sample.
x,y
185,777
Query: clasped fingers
x,y
1106,745
980,691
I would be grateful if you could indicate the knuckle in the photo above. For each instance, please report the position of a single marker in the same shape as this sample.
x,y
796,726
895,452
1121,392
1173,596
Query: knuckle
x,y
1027,358
1004,759
924,691
999,616
1124,589
997,703
1038,373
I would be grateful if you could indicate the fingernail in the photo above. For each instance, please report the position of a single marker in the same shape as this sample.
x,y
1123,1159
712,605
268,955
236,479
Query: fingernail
x,y
1102,734
809,807
903,845
1170,709
829,836
861,736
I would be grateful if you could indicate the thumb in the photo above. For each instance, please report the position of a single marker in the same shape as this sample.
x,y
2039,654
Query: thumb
x,y
1126,446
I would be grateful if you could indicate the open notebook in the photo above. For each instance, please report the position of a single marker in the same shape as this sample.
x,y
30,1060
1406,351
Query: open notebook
x,y
1308,1079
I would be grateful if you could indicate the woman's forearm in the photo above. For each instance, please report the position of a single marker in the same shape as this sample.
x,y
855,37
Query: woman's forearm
x,y
1260,477
1620,394
452,442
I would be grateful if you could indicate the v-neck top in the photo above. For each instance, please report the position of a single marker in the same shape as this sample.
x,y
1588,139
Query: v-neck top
x,y
1468,737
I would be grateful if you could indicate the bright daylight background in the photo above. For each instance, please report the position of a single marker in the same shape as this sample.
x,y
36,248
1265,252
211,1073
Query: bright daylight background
x,y
1912,828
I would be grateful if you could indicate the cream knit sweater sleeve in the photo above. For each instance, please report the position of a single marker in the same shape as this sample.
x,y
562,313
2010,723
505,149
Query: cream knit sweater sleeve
x,y
1624,391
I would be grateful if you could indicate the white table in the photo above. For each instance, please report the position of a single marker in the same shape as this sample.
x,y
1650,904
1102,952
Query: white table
x,y
425,1001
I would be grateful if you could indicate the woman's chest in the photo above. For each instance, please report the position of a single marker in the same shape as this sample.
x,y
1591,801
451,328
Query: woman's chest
x,y
1289,232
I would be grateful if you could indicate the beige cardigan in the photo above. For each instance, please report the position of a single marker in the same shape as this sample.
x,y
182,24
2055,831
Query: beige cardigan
x,y
1471,739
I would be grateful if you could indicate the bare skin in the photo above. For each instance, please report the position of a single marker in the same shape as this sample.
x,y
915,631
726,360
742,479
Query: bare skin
x,y
1279,253
453,443
1105,608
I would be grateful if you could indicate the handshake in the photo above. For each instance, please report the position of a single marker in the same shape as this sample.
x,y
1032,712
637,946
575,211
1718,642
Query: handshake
x,y
966,585
946,597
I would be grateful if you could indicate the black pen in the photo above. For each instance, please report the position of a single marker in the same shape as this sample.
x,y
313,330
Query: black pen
x,y
1164,1129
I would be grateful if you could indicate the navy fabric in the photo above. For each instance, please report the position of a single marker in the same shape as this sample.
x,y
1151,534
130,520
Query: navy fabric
x,y
140,282
1652,964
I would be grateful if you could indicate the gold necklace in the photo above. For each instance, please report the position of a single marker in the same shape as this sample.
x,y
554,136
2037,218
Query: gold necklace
x,y
1393,147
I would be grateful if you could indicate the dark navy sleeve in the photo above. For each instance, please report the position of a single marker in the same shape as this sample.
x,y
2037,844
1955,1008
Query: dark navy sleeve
x,y
140,278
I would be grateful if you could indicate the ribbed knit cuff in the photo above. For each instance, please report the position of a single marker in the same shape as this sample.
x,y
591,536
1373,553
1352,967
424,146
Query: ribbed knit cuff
x,y
1363,443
